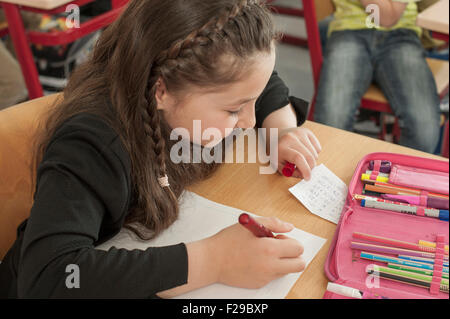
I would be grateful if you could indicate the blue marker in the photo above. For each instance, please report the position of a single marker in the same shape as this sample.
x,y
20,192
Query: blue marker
x,y
421,260
387,259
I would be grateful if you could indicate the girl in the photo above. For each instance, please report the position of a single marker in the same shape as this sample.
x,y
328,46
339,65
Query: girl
x,y
104,157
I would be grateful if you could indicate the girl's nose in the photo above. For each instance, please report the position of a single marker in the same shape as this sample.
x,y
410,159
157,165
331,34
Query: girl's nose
x,y
247,117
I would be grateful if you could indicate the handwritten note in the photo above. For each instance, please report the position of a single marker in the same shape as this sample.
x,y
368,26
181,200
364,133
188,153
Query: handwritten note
x,y
324,195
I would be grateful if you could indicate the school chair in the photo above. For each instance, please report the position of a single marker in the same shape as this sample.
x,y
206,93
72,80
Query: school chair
x,y
374,99
22,39
291,12
18,126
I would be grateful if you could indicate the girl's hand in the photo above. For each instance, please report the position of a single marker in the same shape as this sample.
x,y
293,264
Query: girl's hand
x,y
298,146
246,261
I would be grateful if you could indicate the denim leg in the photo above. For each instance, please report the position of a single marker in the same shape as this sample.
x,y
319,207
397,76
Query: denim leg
x,y
405,78
345,77
323,30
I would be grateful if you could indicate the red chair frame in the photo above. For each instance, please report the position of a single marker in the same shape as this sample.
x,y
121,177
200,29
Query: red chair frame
x,y
445,141
293,12
22,38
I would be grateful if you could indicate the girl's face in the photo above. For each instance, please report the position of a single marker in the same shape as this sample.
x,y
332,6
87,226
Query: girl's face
x,y
224,108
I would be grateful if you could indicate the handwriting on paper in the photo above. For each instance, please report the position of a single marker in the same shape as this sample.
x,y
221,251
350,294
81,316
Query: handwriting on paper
x,y
324,195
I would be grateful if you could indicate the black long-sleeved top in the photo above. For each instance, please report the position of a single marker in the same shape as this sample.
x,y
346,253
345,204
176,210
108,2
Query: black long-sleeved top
x,y
82,198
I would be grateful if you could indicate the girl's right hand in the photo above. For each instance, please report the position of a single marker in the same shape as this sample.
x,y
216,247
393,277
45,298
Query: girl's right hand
x,y
246,261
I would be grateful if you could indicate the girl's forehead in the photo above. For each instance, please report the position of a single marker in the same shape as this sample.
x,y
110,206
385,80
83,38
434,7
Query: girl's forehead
x,y
253,80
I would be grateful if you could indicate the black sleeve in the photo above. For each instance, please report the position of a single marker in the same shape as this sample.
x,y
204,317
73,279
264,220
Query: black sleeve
x,y
276,96
81,183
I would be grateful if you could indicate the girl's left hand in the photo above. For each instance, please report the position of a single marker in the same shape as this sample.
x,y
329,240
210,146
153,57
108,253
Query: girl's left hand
x,y
301,147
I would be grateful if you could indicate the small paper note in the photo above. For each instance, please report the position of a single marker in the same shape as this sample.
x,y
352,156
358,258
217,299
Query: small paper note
x,y
324,195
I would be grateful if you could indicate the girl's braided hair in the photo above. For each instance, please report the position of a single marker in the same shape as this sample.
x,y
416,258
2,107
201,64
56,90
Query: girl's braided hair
x,y
183,43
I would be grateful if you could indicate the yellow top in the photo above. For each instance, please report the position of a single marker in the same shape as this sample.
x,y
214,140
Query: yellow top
x,y
351,15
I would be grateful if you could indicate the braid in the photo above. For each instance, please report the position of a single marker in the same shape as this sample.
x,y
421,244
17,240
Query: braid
x,y
168,58
152,128
201,36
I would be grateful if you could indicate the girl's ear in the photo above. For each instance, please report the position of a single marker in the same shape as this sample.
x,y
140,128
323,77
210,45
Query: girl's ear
x,y
162,96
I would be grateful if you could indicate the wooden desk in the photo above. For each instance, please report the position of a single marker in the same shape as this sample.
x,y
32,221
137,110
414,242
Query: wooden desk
x,y
241,186
39,4
436,18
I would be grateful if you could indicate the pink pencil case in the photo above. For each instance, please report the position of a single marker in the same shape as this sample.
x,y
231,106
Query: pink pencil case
x,y
343,265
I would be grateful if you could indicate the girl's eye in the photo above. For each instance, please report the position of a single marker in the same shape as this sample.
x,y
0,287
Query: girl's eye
x,y
234,113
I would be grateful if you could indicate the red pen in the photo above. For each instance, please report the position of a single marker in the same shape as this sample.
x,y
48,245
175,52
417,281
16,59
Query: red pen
x,y
257,229
289,169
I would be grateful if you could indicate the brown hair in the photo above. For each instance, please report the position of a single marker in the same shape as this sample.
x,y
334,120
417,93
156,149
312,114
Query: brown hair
x,y
181,42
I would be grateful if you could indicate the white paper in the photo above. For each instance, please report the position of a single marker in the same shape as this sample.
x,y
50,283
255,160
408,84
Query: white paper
x,y
323,195
200,218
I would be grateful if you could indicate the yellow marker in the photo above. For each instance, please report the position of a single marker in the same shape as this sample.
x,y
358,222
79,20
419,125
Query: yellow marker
x,y
366,177
430,244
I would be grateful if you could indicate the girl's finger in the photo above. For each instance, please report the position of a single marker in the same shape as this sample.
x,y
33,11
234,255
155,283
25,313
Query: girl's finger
x,y
308,144
290,265
315,141
289,247
303,165
307,154
275,225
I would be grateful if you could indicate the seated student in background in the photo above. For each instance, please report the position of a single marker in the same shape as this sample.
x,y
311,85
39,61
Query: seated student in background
x,y
391,56
104,158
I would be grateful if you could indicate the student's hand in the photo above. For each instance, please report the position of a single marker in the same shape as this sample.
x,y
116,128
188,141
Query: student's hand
x,y
301,147
246,261
390,12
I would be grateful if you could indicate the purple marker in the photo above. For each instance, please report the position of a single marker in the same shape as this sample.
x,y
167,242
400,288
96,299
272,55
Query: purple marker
x,y
392,250
438,203
384,168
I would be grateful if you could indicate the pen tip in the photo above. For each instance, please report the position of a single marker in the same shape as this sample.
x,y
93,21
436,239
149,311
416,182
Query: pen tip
x,y
244,219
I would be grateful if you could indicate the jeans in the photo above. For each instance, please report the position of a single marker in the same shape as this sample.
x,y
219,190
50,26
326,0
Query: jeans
x,y
395,61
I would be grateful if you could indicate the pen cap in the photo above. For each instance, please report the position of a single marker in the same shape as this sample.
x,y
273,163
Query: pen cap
x,y
443,215
289,170
384,168
344,291
439,203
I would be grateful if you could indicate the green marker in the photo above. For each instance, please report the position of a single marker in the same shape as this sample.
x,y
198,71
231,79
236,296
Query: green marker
x,y
408,274
415,270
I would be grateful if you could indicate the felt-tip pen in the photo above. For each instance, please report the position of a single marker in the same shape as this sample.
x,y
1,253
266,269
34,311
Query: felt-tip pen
x,y
438,203
378,203
289,169
257,229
